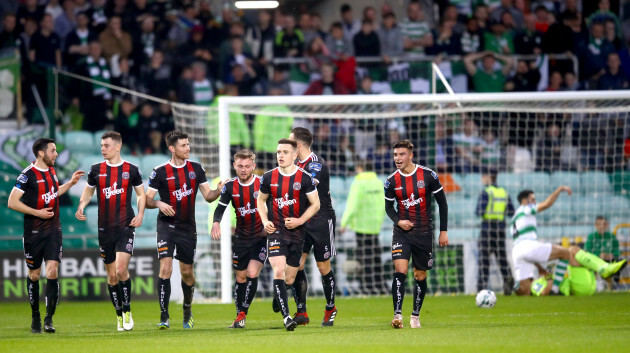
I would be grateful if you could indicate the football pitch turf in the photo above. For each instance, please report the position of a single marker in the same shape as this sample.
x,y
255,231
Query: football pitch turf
x,y
600,323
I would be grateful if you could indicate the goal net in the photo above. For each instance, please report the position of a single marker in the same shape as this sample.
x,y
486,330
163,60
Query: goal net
x,y
535,141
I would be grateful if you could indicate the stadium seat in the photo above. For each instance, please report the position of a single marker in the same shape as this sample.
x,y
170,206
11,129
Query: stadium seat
x,y
586,208
538,182
571,179
85,164
97,136
595,182
460,234
11,217
560,212
151,161
512,182
472,185
91,212
573,231
463,212
80,142
550,233
616,206
338,188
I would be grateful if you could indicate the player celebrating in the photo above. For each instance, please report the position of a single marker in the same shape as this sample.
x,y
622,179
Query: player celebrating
x,y
410,187
36,195
528,253
114,179
283,215
177,182
319,231
249,244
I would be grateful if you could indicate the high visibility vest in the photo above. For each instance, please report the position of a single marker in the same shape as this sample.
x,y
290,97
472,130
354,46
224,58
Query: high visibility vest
x,y
497,203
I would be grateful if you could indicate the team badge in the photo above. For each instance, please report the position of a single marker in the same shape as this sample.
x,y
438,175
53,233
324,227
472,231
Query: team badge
x,y
125,175
192,175
255,194
386,184
430,263
420,184
262,256
326,255
152,176
129,247
297,186
22,178
316,167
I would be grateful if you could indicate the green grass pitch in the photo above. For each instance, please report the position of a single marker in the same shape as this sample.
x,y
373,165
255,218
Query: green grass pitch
x,y
600,323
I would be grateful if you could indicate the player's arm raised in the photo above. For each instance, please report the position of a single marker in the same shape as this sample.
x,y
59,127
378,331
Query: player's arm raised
x,y
312,209
16,204
87,194
261,204
210,195
551,199
72,182
162,206
141,203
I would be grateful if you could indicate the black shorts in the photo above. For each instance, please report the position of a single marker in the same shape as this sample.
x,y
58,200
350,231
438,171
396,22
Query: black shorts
x,y
283,246
245,250
45,245
319,234
111,242
173,241
415,246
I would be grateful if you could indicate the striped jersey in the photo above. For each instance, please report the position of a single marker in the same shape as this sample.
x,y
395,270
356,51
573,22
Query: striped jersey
x,y
318,169
177,186
523,225
287,197
411,193
243,198
414,30
114,184
40,188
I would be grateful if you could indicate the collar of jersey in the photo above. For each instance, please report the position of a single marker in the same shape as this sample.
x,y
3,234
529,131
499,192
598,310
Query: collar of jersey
x,y
177,166
306,159
41,170
281,173
410,174
248,184
115,165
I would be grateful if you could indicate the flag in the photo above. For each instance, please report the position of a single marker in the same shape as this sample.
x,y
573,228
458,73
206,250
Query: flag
x,y
9,76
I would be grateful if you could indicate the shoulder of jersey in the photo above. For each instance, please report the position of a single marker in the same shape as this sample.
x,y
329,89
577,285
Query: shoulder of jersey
x,y
269,171
134,165
392,175
163,165
97,164
197,164
425,168
304,171
233,180
27,169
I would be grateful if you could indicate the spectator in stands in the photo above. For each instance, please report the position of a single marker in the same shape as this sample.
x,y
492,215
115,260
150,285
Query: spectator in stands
x,y
525,79
278,83
115,40
369,13
238,58
30,29
316,20
543,18
390,38
145,42
488,79
46,45
351,26
93,99
450,13
604,14
415,30
612,35
482,16
260,38
365,214
123,77
77,48
593,56
549,150
614,78
244,77
498,40
366,42
54,9
508,6
467,148
289,41
98,19
529,40
305,24
328,85
151,137
156,77
126,123
198,90
471,38
602,242
570,9
508,22
444,148
339,46
316,55
555,82
9,36
29,9
66,23
196,48
490,155
559,38
82,5
447,41
570,82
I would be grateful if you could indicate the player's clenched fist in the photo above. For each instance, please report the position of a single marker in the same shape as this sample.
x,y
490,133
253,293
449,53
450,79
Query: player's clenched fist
x,y
269,227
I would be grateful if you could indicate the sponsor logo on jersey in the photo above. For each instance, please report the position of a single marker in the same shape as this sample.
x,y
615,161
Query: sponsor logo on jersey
x,y
236,195
274,243
102,175
411,201
192,175
49,196
434,175
244,211
171,178
41,181
273,185
184,191
284,201
316,167
386,184
152,176
396,246
112,190
420,184
125,175
398,188
297,186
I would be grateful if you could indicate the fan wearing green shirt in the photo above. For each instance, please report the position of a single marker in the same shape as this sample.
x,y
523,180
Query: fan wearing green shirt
x,y
602,242
487,79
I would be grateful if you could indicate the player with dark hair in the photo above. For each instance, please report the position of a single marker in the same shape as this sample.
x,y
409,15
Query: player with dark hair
x,y
286,201
249,243
409,188
319,231
177,182
36,194
113,180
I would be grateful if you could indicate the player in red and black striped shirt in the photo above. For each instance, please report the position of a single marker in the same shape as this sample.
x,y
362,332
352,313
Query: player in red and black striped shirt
x,y
113,180
249,243
410,188
36,195
177,182
287,199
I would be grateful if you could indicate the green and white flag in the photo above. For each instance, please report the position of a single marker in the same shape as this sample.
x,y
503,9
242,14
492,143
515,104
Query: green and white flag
x,y
9,76
298,81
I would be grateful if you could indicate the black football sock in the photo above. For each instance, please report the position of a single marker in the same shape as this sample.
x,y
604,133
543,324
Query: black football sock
x,y
188,297
32,288
52,296
125,290
164,292
300,287
328,281
251,286
239,296
114,296
419,292
280,292
398,291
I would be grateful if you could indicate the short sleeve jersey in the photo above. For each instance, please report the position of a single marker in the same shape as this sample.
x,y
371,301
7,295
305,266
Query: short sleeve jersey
x,y
523,225
411,193
287,198
114,184
318,169
40,188
177,186
243,198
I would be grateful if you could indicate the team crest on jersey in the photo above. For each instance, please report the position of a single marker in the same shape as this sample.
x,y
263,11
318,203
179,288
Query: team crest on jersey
x,y
22,178
434,175
316,167
129,247
125,175
430,263
152,176
297,186
255,194
420,184
192,175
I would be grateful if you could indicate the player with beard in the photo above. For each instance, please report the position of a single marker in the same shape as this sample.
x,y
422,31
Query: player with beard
x,y
114,179
286,201
36,195
249,243
177,182
410,188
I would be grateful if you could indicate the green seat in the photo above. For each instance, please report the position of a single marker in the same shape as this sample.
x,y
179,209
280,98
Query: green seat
x,y
586,208
463,212
538,182
338,188
151,161
137,161
97,135
570,179
73,243
548,233
81,142
13,229
75,228
13,244
583,231
460,234
560,212
86,162
471,184
616,206
91,212
595,182
9,216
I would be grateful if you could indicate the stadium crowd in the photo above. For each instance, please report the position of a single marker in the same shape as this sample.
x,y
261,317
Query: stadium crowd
x,y
193,51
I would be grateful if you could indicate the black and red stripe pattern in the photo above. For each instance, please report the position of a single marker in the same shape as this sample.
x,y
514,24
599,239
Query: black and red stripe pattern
x,y
243,198
318,169
40,189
